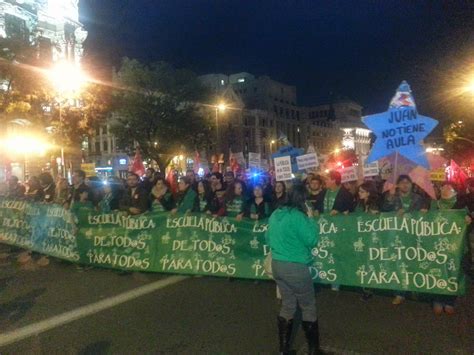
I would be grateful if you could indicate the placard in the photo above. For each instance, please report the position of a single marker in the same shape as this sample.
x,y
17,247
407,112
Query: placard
x,y
307,161
254,160
371,169
348,174
283,168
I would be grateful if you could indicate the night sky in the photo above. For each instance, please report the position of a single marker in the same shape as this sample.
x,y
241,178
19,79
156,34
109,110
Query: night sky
x,y
356,49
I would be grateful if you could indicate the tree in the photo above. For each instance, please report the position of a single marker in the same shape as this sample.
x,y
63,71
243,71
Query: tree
x,y
459,138
160,108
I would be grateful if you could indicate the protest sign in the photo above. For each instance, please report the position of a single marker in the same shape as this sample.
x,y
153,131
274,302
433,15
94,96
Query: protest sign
x,y
348,174
290,151
89,169
254,160
438,174
400,129
371,169
307,161
415,252
283,169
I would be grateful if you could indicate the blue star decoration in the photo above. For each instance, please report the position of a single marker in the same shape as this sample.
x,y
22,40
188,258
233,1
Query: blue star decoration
x,y
400,129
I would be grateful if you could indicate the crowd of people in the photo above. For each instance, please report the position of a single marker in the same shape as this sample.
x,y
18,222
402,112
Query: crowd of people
x,y
255,197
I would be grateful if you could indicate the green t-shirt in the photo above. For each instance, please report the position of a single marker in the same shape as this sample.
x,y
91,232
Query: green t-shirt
x,y
406,202
329,199
443,204
235,207
202,204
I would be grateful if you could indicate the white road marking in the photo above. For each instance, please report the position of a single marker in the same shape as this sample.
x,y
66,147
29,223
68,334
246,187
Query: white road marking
x,y
81,312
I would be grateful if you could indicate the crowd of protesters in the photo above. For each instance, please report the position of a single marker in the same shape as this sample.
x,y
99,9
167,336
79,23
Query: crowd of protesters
x,y
241,197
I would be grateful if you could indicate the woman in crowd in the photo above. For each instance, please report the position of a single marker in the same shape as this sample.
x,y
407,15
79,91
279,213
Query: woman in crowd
x,y
205,196
234,200
369,200
279,195
257,208
291,235
161,197
111,196
448,200
403,199
187,197
34,192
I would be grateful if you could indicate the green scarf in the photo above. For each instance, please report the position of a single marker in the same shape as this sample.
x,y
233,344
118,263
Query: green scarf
x,y
446,204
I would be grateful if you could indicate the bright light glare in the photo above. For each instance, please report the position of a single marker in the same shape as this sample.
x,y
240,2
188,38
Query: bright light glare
x,y
67,77
24,145
222,107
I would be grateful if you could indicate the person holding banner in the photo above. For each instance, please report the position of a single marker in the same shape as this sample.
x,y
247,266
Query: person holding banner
x,y
368,198
204,196
291,235
336,198
448,200
257,208
401,198
135,199
187,197
161,197
234,200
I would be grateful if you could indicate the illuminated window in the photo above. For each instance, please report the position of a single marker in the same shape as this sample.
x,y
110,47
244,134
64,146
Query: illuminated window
x,y
240,80
222,82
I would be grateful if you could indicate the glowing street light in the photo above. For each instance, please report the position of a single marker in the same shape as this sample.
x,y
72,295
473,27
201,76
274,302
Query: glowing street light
x,y
67,79
222,107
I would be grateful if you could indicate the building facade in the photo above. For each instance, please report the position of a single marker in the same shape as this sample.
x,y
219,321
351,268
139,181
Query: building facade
x,y
53,29
270,111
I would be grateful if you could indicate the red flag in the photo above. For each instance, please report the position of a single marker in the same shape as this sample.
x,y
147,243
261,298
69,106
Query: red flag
x,y
456,174
421,177
137,166
170,177
234,165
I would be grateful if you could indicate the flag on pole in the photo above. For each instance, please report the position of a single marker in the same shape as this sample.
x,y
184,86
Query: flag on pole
x,y
137,166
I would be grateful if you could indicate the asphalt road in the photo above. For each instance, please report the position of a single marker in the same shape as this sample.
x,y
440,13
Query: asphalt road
x,y
60,309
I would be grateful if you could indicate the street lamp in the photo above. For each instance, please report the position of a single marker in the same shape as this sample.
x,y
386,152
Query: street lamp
x,y
67,79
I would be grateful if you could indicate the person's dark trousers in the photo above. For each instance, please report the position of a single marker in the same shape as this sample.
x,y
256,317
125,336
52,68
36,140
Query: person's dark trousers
x,y
285,328
311,331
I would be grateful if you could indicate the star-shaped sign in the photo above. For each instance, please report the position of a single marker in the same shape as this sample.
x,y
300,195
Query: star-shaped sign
x,y
400,129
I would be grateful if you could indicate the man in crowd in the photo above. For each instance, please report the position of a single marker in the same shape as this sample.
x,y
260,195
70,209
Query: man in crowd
x,y
135,199
336,198
148,180
401,198
47,184
78,187
315,193
15,189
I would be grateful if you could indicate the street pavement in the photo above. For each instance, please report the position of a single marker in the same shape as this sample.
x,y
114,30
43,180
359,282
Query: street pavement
x,y
62,309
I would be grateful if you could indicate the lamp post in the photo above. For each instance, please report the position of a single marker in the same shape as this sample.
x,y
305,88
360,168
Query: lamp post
x,y
221,107
67,79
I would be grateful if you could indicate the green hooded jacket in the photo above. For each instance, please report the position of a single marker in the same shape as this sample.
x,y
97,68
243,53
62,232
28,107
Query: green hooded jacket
x,y
291,236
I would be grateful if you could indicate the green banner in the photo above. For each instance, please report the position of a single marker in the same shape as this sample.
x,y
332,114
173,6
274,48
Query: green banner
x,y
414,252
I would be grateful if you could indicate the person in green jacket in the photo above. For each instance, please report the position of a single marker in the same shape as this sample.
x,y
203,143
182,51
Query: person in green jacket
x,y
448,200
291,235
187,197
